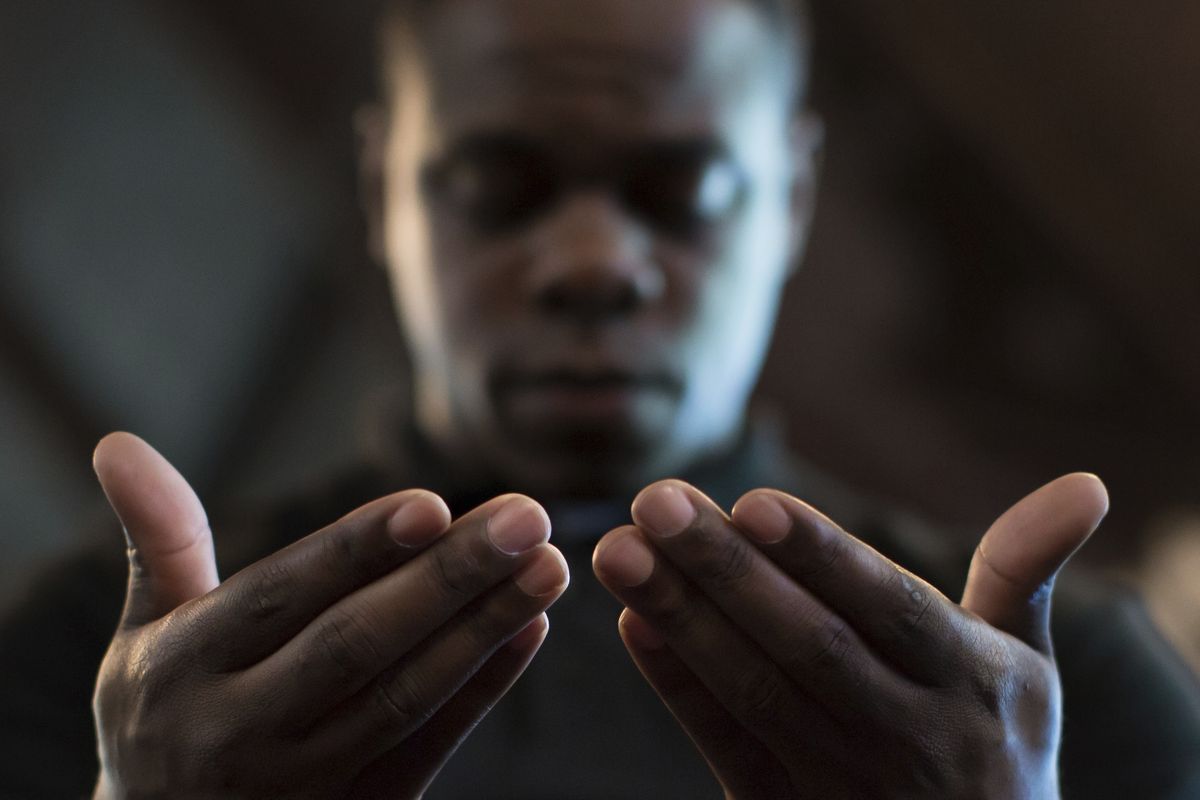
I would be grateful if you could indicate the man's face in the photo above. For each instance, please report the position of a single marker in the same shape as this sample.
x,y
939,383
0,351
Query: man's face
x,y
589,210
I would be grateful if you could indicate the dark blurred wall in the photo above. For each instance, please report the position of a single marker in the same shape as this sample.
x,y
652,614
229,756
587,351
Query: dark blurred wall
x,y
1002,283
168,238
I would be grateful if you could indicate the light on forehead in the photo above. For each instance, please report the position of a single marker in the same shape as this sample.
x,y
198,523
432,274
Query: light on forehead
x,y
478,49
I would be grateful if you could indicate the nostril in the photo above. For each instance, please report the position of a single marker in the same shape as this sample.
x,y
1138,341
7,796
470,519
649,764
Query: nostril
x,y
592,299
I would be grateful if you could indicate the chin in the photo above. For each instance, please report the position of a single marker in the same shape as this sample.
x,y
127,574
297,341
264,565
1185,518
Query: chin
x,y
592,462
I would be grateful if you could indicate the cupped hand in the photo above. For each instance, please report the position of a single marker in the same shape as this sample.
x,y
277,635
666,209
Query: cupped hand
x,y
803,663
349,664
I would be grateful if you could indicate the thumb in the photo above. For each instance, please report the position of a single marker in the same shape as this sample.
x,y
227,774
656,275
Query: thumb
x,y
170,546
1013,571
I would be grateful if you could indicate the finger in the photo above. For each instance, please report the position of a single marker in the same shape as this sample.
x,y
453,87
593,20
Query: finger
x,y
171,557
740,762
352,641
910,624
407,770
404,697
810,642
1012,574
733,667
258,610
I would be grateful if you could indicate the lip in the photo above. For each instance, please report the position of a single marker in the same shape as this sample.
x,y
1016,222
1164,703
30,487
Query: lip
x,y
591,395
602,378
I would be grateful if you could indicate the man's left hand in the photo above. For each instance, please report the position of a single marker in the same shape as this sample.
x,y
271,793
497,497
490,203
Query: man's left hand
x,y
803,663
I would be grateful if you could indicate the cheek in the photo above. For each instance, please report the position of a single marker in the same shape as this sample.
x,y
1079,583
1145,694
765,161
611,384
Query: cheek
x,y
735,316
478,282
735,302
478,287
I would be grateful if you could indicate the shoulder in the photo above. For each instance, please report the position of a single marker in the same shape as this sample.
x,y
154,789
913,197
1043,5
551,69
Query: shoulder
x,y
1131,719
1132,707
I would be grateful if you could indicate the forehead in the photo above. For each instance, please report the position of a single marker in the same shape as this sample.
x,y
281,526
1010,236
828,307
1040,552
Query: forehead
x,y
601,67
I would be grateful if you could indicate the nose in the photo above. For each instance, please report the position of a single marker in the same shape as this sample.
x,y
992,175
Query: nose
x,y
594,263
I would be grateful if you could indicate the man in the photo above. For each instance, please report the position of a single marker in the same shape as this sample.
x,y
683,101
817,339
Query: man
x,y
588,211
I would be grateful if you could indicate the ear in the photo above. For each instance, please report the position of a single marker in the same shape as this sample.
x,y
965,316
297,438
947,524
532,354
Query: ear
x,y
806,138
371,131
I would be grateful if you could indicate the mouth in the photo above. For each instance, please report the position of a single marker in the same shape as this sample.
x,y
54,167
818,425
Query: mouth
x,y
589,397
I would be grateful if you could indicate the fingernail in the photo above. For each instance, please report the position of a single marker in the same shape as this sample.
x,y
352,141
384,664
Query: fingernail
x,y
518,526
627,560
417,523
666,511
763,519
546,575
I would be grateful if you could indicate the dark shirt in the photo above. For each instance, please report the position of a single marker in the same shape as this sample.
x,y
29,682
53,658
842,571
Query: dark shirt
x,y
582,723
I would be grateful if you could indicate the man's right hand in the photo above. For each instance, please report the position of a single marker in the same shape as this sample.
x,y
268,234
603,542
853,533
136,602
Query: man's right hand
x,y
351,663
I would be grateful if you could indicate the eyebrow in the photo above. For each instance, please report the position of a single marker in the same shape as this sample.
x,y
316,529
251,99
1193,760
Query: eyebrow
x,y
707,145
532,57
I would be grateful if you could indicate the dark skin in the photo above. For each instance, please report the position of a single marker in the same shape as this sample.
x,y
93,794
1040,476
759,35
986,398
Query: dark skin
x,y
581,334
350,663
805,664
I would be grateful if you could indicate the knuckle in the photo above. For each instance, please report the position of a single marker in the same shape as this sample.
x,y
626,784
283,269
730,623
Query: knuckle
x,y
398,702
346,642
829,549
726,562
913,602
888,581
917,618
341,551
758,698
825,648
268,595
455,572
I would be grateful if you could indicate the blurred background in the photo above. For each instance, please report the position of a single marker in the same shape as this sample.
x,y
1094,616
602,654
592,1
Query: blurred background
x,y
1002,286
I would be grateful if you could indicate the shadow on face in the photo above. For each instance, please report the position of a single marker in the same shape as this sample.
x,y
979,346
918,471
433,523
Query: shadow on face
x,y
588,212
